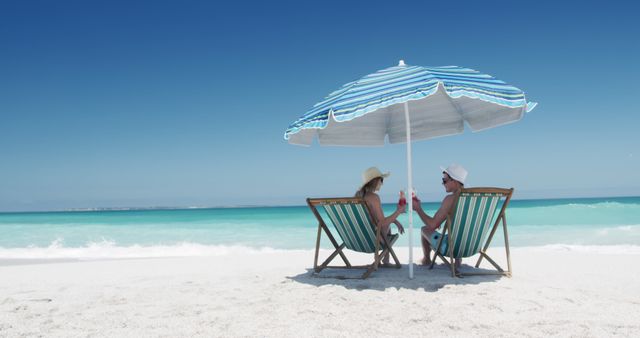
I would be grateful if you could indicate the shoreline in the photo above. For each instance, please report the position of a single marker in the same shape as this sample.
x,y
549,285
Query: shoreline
x,y
52,255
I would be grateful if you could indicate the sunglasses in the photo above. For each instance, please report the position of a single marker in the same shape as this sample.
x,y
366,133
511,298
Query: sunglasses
x,y
446,180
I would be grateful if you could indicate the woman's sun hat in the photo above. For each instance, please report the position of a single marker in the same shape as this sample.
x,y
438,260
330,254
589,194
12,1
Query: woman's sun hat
x,y
372,173
456,171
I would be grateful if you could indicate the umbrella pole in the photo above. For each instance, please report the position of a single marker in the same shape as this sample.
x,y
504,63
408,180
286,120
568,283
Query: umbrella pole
x,y
409,188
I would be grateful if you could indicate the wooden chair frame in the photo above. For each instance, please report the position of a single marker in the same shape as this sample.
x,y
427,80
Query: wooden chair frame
x,y
322,227
500,219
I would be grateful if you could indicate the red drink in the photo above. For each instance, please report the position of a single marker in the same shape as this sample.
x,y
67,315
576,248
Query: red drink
x,y
402,201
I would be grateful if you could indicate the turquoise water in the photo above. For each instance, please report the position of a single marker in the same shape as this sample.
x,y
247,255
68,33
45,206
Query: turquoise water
x,y
585,222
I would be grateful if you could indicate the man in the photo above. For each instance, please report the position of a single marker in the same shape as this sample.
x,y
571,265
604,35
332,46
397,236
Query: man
x,y
453,178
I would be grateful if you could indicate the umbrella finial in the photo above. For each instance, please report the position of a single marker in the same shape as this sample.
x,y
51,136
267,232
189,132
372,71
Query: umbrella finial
x,y
401,63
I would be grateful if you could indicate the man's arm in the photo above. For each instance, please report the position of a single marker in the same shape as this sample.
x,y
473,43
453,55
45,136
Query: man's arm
x,y
426,219
441,215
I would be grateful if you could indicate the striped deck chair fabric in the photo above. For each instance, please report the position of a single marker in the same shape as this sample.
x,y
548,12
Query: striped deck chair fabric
x,y
353,223
472,224
472,220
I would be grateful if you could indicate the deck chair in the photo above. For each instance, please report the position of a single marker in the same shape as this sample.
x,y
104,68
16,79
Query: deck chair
x,y
470,220
353,222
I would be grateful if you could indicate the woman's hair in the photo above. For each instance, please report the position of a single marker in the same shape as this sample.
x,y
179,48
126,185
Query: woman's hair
x,y
369,187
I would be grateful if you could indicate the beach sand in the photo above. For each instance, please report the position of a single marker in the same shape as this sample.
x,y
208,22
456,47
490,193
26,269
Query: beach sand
x,y
272,294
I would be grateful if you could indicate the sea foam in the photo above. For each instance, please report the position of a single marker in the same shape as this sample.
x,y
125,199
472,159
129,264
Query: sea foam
x,y
109,250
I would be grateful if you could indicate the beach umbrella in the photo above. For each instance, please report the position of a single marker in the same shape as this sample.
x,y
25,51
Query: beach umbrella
x,y
407,103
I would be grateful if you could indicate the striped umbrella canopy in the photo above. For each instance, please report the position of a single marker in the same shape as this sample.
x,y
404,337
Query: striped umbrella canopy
x,y
405,103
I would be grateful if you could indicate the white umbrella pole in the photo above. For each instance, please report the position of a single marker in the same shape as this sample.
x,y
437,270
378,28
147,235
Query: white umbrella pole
x,y
409,189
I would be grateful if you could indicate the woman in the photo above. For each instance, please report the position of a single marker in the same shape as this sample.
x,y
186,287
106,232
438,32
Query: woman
x,y
372,180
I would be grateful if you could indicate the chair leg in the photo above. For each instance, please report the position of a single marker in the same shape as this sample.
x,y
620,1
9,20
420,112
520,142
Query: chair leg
x,y
338,250
331,257
484,255
495,265
435,252
335,245
315,258
366,274
393,255
433,260
374,266
506,245
389,249
452,264
486,245
395,258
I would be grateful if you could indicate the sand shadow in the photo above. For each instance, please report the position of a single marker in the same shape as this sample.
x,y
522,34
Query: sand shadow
x,y
384,278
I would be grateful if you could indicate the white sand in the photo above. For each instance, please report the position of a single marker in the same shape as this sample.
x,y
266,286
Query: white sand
x,y
272,294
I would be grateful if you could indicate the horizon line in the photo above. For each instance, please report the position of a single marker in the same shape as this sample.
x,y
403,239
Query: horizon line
x,y
249,206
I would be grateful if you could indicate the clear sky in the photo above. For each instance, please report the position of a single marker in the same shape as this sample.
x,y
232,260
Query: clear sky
x,y
184,103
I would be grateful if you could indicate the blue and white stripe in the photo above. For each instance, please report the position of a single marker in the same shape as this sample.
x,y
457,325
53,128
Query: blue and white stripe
x,y
404,83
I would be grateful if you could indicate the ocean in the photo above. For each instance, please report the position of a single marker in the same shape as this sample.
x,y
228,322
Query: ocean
x,y
573,224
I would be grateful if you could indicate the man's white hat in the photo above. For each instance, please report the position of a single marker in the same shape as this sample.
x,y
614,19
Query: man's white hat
x,y
372,173
456,171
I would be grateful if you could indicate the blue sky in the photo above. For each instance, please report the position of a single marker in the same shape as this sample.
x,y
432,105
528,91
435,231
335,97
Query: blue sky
x,y
173,103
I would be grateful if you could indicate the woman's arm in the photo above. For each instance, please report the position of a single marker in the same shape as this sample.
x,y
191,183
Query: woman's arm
x,y
400,227
373,201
